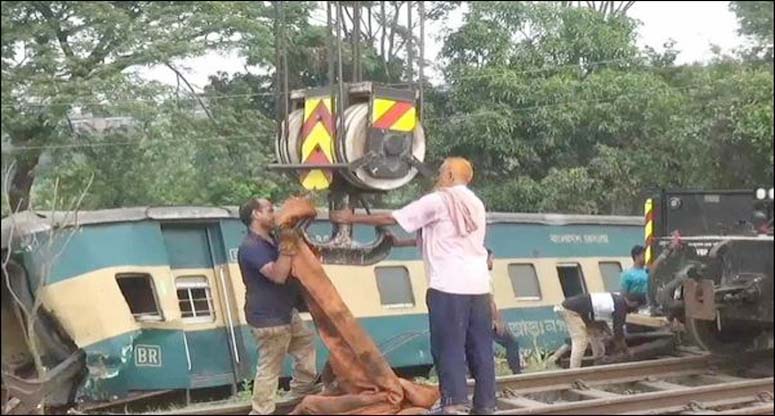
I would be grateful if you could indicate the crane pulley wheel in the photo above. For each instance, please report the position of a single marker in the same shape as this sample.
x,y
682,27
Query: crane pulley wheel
x,y
353,148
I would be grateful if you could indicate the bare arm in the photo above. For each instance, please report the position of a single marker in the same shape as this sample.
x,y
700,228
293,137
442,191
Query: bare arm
x,y
674,245
348,217
662,256
278,270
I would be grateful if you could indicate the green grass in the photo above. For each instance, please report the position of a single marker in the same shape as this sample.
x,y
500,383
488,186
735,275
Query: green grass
x,y
537,360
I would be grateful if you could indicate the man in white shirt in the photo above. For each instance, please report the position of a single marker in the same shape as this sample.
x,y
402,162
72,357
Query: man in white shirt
x,y
453,224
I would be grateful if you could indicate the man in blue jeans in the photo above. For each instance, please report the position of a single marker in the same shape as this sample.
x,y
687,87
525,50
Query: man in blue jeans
x,y
452,225
501,332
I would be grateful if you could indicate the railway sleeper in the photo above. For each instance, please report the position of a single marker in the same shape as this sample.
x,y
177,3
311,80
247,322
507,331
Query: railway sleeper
x,y
737,404
519,403
661,385
657,402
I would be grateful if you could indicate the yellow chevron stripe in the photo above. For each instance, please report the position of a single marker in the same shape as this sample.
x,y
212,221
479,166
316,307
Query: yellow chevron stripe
x,y
380,107
311,103
407,121
318,137
315,180
649,229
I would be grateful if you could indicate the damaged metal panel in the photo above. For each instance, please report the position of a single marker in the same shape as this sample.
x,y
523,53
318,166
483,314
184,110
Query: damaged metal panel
x,y
146,360
105,364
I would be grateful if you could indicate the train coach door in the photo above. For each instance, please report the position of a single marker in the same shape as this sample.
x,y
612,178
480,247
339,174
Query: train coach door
x,y
205,297
571,279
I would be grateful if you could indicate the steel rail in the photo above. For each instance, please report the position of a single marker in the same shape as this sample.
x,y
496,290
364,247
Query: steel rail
x,y
739,405
652,400
605,374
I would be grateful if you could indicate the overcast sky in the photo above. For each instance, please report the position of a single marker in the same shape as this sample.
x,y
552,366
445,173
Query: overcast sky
x,y
694,25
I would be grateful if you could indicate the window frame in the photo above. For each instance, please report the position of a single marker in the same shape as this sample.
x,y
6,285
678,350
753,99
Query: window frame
x,y
403,305
142,318
602,276
582,275
537,280
188,287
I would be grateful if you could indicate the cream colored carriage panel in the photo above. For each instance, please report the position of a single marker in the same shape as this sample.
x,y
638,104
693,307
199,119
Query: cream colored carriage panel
x,y
548,279
235,275
593,276
357,285
590,270
548,283
91,307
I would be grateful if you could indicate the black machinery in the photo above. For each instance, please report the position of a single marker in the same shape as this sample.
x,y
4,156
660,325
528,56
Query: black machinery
x,y
350,138
719,282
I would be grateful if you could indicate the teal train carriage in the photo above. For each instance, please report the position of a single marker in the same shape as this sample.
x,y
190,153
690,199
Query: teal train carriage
x,y
137,300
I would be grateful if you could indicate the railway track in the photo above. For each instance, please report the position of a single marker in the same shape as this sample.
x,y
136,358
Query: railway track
x,y
693,384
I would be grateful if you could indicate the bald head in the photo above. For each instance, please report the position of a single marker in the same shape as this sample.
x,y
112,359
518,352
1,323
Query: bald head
x,y
455,171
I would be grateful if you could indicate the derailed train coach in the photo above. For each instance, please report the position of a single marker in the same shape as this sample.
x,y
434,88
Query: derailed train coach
x,y
140,300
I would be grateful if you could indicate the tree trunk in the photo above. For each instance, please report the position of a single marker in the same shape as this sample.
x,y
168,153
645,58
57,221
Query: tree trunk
x,y
21,182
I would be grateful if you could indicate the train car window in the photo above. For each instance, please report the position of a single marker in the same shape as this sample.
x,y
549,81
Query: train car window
x,y
140,295
611,272
196,303
571,279
394,286
524,281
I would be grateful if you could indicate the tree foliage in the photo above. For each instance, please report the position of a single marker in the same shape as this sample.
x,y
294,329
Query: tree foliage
x,y
557,106
756,21
568,115
59,55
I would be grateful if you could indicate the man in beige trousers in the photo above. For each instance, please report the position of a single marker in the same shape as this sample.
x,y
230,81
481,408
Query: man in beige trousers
x,y
270,308
584,317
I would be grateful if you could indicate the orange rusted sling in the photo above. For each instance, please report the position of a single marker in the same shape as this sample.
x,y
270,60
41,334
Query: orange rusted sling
x,y
365,383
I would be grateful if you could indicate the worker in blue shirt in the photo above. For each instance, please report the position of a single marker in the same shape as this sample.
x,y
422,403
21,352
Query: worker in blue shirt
x,y
636,279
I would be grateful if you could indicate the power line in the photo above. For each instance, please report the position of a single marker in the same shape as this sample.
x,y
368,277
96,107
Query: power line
x,y
136,100
556,104
15,149
493,74
509,72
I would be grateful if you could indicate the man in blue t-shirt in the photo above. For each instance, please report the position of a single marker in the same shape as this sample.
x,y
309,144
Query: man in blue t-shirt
x,y
271,297
636,279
